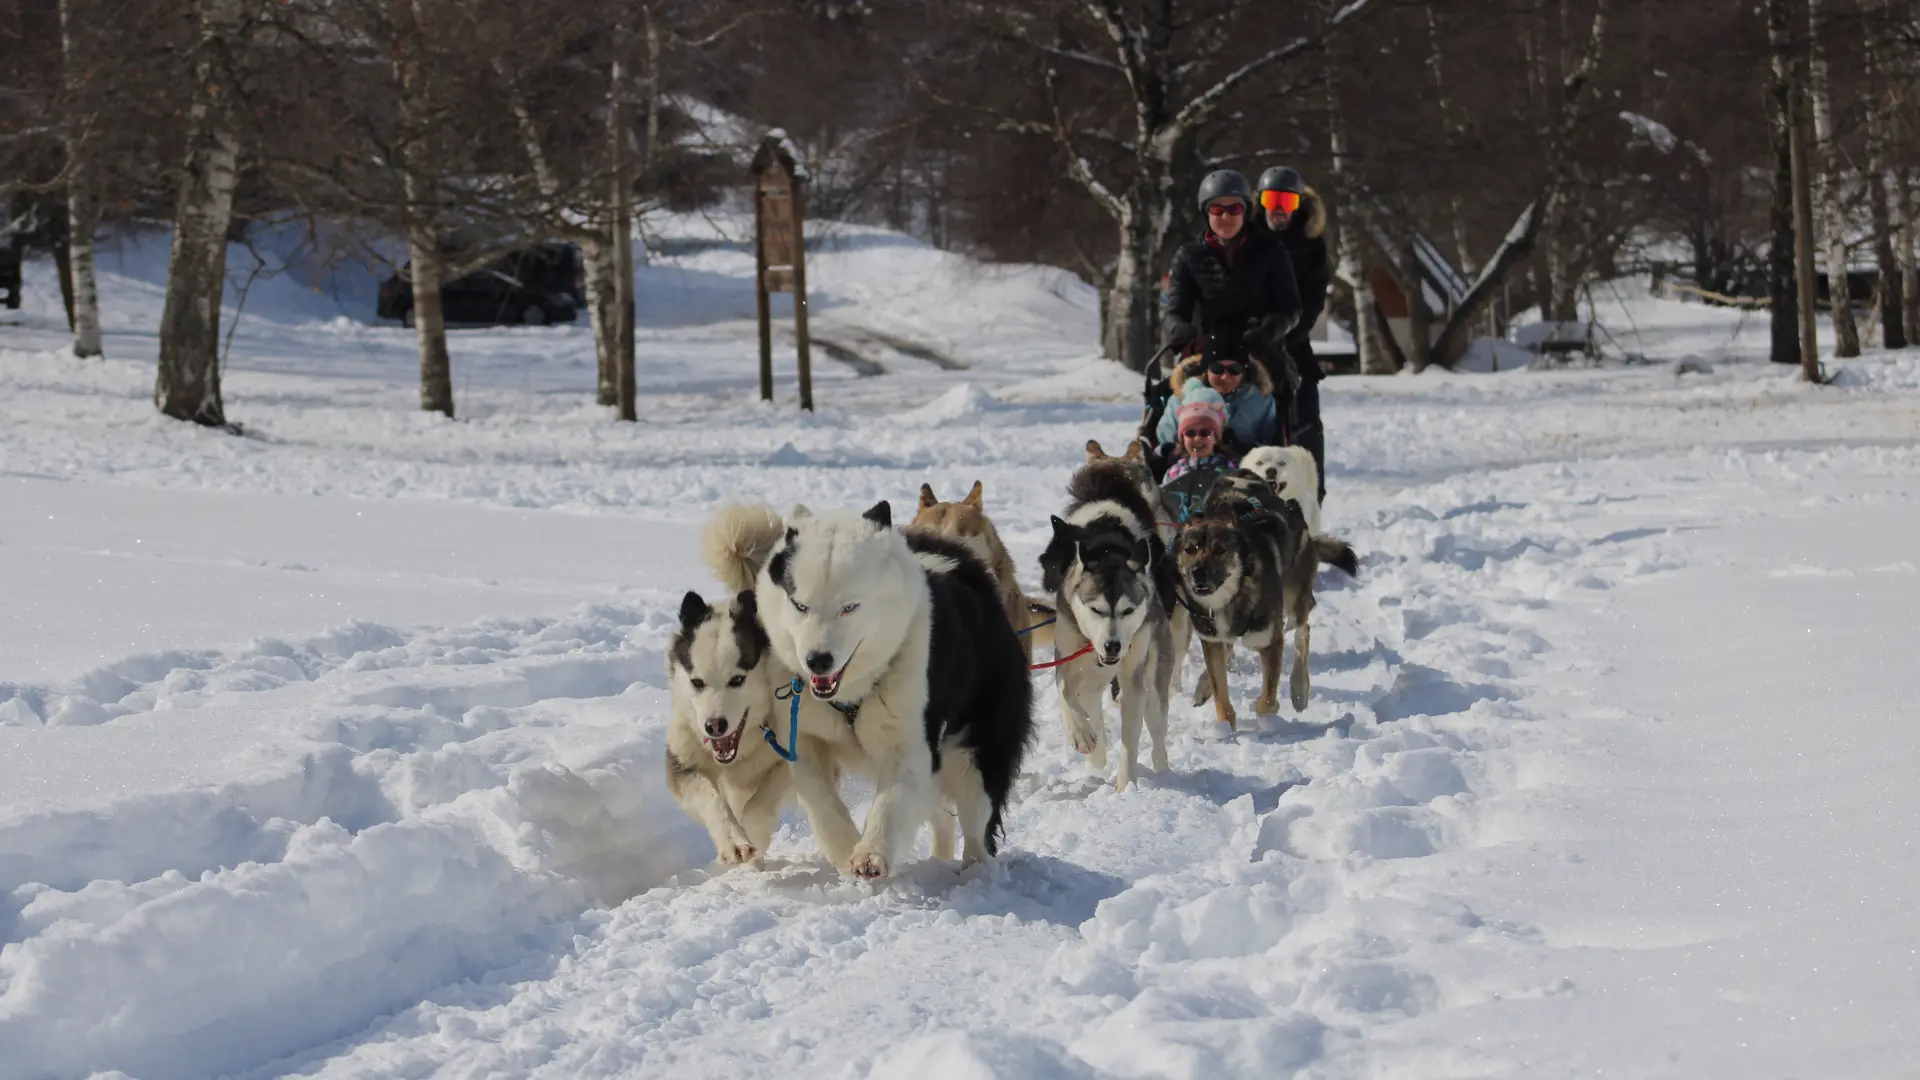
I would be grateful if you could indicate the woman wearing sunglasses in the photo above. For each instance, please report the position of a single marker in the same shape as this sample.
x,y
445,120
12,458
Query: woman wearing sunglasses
x,y
1293,213
1232,290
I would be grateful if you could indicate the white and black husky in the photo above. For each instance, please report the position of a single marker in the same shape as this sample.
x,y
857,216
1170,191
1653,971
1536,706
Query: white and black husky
x,y
913,676
1104,570
719,768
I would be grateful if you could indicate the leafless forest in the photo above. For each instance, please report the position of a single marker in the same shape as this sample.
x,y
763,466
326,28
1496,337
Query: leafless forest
x,y
1540,146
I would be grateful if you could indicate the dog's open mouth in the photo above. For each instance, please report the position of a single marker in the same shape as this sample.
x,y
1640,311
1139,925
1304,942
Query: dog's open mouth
x,y
825,686
727,747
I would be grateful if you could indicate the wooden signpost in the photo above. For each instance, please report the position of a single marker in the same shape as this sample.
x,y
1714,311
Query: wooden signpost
x,y
780,256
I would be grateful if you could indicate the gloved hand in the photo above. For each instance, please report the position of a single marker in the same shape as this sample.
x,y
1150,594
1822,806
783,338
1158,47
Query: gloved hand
x,y
1179,335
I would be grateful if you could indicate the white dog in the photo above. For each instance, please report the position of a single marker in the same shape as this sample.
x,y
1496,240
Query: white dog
x,y
912,674
719,768
1291,473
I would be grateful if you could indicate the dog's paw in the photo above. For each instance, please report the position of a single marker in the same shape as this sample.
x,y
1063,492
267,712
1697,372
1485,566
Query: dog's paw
x,y
867,865
1297,689
1084,736
1203,693
1266,705
1159,760
738,852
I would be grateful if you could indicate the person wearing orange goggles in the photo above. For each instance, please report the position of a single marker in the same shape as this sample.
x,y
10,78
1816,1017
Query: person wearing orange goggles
x,y
1292,213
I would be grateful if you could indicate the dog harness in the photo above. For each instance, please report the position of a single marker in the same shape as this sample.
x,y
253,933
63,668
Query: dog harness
x,y
793,691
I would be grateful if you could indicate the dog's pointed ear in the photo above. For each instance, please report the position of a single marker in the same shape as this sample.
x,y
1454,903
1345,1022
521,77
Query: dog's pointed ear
x,y
693,609
1134,451
977,497
1139,555
798,512
1060,553
927,497
881,514
1094,453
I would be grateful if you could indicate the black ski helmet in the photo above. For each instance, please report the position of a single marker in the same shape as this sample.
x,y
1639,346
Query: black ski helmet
x,y
1225,183
1281,178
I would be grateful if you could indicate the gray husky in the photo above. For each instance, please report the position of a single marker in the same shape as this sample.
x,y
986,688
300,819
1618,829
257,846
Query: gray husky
x,y
1104,569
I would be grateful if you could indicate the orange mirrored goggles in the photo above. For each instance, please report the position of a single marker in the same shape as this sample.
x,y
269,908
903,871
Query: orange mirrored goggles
x,y
1274,199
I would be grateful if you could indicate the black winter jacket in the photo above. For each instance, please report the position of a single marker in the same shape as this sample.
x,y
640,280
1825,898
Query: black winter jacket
x,y
1305,241
1247,307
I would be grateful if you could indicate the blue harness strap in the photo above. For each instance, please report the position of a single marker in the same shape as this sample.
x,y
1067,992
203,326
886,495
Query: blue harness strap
x,y
791,751
1038,625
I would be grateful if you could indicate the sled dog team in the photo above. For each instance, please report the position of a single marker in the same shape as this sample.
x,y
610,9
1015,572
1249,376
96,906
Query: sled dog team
x,y
905,655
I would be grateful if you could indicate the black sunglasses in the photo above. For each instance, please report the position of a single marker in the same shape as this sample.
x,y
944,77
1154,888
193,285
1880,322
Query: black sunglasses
x,y
1228,369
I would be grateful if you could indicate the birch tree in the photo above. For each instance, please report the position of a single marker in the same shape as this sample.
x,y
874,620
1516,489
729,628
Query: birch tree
x,y
81,218
188,385
1830,191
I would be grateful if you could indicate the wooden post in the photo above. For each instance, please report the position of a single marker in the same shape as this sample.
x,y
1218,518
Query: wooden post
x,y
800,296
1803,234
780,254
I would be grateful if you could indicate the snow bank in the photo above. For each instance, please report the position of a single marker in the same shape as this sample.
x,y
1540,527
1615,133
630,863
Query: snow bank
x,y
404,851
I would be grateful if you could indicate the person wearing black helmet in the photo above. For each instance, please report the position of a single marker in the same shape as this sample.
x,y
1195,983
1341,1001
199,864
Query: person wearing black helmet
x,y
1231,293
1293,213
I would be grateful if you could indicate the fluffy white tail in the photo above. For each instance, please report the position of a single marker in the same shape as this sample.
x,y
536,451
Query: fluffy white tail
x,y
737,542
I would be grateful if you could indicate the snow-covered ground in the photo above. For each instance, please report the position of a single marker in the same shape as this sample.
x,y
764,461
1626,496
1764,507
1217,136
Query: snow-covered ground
x,y
334,749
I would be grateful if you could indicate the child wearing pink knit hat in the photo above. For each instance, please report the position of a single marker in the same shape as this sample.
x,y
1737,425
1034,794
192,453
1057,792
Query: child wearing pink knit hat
x,y
1203,419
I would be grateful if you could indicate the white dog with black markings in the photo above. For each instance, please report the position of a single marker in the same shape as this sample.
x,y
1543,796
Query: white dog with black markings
x,y
913,676
719,767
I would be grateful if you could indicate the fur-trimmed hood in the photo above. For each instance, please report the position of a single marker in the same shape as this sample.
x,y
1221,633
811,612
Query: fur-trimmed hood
x,y
1193,367
1315,210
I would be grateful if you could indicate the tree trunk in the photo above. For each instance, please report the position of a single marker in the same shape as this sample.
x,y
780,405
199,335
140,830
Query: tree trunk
x,y
63,269
1908,240
1367,332
596,248
1803,259
653,91
1131,304
188,385
1888,295
1782,291
1826,158
85,309
624,375
429,318
423,238
603,310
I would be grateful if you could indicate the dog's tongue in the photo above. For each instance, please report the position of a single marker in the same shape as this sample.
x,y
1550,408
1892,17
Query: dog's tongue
x,y
825,685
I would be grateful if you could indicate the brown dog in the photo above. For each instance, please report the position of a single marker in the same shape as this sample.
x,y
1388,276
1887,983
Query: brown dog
x,y
1245,572
966,521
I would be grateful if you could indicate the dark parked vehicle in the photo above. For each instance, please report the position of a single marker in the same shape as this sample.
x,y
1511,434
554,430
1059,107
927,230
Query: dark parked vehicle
x,y
533,287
